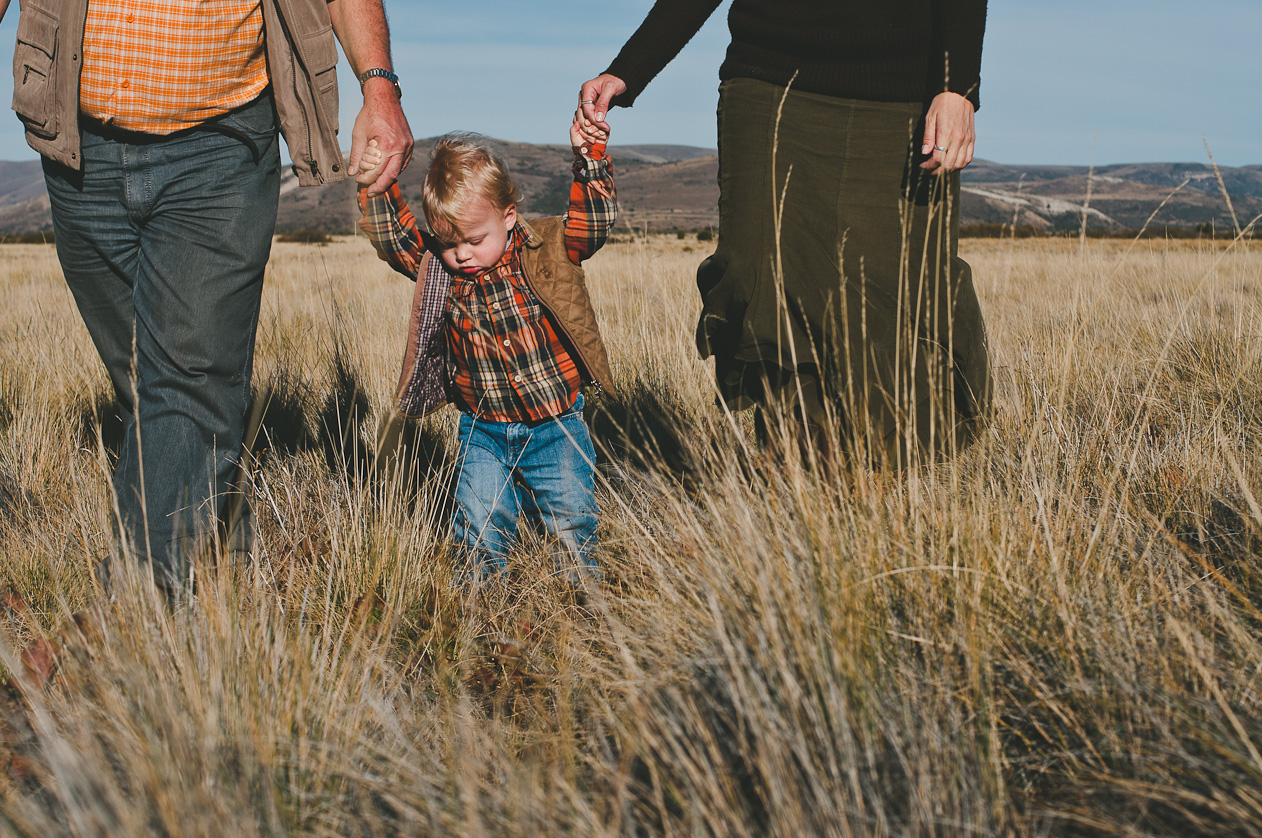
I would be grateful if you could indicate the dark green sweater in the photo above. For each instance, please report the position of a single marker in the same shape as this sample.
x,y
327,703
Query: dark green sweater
x,y
877,50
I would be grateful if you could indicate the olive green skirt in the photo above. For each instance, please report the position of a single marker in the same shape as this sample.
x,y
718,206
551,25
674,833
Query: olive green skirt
x,y
836,282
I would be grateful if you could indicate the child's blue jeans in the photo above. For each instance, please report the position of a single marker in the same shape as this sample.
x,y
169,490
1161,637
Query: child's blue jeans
x,y
545,471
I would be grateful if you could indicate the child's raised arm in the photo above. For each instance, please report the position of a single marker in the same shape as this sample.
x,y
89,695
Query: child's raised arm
x,y
389,224
593,202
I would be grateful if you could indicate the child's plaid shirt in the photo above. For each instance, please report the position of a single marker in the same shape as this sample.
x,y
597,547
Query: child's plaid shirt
x,y
507,357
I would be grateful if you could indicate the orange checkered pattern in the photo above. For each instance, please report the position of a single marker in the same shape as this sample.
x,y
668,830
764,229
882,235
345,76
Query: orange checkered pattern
x,y
160,66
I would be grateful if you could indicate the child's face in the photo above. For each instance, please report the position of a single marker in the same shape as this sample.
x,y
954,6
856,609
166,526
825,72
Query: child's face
x,y
481,239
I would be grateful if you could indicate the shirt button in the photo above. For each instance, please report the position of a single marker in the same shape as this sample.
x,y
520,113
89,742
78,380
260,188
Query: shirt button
x,y
517,378
131,18
126,84
507,342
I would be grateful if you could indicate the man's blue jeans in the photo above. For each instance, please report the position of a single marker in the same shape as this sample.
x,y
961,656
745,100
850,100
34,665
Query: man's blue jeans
x,y
545,471
163,242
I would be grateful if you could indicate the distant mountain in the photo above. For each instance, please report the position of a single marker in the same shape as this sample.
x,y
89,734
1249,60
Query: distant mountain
x,y
23,199
665,187
1122,197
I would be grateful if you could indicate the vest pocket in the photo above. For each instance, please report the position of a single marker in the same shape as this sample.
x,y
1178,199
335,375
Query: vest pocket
x,y
321,59
34,79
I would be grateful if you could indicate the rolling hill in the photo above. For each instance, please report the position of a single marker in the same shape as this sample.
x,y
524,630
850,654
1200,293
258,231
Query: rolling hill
x,y
665,187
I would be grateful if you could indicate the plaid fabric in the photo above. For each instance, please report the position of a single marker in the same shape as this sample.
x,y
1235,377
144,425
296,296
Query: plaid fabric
x,y
391,227
425,388
593,208
160,66
506,360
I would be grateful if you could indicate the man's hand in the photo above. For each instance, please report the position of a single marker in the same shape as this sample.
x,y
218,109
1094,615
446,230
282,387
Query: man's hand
x,y
949,133
596,96
360,26
584,134
381,120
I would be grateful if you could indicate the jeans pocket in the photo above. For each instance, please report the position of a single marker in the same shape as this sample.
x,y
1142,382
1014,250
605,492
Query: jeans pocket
x,y
256,119
575,429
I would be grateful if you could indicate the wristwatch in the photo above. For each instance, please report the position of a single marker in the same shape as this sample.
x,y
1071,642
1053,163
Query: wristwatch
x,y
381,73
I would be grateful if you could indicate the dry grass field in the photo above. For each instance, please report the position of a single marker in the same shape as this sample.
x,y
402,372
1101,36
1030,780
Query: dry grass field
x,y
1057,633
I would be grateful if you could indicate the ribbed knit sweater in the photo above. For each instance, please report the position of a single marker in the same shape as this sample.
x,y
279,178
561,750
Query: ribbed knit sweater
x,y
876,50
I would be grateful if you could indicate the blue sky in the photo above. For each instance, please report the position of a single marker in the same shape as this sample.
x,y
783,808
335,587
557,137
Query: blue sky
x,y
1120,80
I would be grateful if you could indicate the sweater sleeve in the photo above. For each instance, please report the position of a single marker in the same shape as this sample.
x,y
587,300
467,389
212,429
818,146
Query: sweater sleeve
x,y
961,25
667,28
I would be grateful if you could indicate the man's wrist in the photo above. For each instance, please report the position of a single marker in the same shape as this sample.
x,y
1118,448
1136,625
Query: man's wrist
x,y
377,75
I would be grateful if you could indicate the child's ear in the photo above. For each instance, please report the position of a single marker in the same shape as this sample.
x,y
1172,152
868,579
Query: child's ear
x,y
510,217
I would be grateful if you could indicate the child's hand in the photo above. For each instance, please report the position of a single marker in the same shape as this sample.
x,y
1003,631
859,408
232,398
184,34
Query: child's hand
x,y
584,134
370,164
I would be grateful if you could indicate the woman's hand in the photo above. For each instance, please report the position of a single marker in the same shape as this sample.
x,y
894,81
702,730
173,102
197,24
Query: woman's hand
x,y
596,96
949,133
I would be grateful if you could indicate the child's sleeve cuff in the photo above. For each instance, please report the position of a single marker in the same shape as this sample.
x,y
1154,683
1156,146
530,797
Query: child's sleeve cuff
x,y
589,169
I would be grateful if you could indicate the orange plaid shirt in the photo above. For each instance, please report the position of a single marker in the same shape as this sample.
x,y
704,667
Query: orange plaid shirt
x,y
160,66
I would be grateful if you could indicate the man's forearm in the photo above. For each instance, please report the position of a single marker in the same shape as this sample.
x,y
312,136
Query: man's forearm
x,y
360,26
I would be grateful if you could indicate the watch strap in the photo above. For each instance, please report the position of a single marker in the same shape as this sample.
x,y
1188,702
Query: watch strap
x,y
381,73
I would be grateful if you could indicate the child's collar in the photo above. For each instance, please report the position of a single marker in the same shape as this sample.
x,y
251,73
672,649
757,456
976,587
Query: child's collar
x,y
530,238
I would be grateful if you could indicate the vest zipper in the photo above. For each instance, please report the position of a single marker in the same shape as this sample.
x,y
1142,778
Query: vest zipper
x,y
293,67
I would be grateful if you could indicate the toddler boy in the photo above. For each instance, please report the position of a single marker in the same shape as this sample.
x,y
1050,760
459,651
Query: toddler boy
x,y
502,326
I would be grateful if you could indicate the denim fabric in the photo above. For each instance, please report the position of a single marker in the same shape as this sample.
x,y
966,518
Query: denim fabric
x,y
545,472
163,241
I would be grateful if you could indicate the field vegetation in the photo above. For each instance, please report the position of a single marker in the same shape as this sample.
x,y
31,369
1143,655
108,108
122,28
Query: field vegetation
x,y
1057,633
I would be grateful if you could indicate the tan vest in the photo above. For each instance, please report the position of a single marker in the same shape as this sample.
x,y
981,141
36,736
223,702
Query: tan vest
x,y
301,60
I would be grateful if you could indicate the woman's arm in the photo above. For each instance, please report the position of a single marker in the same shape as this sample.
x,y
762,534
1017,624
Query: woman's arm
x,y
959,27
669,25
949,133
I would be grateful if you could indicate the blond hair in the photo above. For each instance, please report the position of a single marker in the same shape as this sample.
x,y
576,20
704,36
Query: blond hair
x,y
464,165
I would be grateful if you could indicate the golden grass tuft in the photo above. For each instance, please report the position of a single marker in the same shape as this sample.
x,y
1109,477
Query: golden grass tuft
x,y
1057,633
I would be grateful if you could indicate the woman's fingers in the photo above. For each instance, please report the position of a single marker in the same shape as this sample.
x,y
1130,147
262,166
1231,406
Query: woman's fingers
x,y
931,133
596,97
949,133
